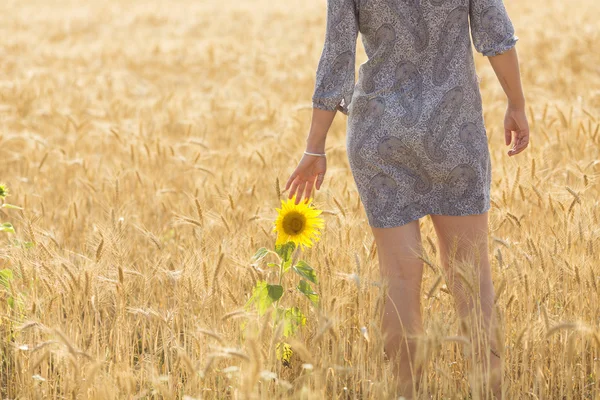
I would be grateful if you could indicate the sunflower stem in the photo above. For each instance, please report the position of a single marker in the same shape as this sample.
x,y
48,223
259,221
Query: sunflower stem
x,y
280,275
281,262
277,303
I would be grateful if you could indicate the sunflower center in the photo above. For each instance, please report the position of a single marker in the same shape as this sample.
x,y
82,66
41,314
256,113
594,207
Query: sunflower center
x,y
294,223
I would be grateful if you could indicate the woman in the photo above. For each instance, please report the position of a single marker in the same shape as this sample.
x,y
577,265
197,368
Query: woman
x,y
417,146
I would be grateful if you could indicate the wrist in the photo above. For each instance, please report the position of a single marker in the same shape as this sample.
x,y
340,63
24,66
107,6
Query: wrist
x,y
518,105
315,143
315,148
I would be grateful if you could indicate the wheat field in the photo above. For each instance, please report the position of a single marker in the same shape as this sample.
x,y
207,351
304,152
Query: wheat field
x,y
147,143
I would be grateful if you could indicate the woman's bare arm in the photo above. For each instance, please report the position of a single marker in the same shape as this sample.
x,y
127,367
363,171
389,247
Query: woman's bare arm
x,y
320,124
506,67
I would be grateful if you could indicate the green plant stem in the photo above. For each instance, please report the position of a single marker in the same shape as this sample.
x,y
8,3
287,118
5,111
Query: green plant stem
x,y
280,280
281,262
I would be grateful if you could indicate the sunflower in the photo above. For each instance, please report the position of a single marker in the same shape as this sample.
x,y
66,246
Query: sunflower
x,y
298,223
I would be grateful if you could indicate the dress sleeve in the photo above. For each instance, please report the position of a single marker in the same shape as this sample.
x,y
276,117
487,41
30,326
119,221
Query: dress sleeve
x,y
491,28
334,84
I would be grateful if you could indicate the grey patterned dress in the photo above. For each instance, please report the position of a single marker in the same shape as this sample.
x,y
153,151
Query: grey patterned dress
x,y
416,140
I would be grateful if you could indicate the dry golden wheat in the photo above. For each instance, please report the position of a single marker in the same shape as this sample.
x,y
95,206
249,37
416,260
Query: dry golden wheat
x,y
142,139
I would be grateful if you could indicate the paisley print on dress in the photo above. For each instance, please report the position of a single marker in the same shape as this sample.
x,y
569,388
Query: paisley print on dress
x,y
453,36
337,73
408,89
441,122
411,15
394,152
469,136
338,11
381,196
492,30
476,144
491,23
459,185
371,119
385,39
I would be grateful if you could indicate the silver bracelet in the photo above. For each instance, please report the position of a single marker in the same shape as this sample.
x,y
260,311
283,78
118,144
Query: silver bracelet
x,y
314,154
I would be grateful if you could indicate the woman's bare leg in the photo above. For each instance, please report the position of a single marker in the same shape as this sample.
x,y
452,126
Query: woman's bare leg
x,y
463,242
398,252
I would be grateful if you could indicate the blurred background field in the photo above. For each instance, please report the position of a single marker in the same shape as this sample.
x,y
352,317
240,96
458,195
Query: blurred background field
x,y
144,139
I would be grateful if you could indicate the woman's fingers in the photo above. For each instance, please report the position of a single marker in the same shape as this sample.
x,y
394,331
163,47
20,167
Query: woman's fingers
x,y
522,142
290,180
309,189
522,146
320,179
293,188
524,138
300,192
507,136
514,150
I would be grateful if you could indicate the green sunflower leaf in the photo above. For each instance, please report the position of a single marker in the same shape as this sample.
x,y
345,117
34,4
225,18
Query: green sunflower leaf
x,y
306,271
275,292
285,250
292,318
304,288
263,295
260,253
287,265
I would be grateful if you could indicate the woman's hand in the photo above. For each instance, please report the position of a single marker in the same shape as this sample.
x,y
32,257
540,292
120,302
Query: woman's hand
x,y
310,169
515,121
